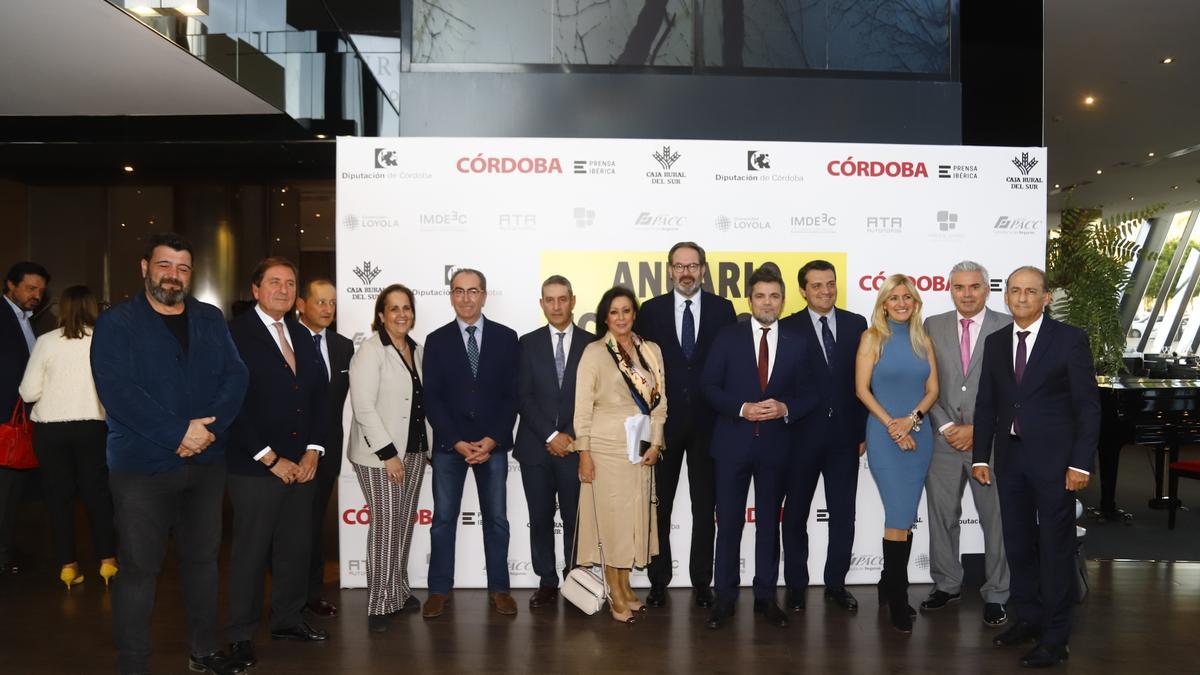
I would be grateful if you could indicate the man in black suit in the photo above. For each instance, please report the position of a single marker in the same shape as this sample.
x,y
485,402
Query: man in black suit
x,y
272,461
316,306
546,437
24,288
1038,407
684,323
827,443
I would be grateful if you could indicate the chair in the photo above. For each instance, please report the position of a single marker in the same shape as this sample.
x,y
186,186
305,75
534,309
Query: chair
x,y
1175,471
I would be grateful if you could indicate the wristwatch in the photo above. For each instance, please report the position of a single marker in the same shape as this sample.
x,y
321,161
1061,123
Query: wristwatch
x,y
273,462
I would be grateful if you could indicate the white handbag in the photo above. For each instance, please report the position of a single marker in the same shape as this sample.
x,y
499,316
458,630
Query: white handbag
x,y
583,587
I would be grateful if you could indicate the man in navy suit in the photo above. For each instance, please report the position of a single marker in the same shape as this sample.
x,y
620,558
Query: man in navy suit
x,y
471,396
546,436
24,288
757,379
278,440
1039,407
683,324
829,442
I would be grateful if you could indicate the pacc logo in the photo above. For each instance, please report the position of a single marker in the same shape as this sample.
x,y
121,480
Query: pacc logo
x,y
1015,225
757,161
659,221
385,158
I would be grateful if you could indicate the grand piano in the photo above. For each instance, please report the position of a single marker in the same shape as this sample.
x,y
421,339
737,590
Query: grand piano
x,y
1161,414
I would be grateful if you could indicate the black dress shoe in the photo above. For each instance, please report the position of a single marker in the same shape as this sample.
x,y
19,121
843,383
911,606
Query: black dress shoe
x,y
543,596
320,608
301,633
378,623
241,654
215,663
994,615
657,596
939,599
1045,656
704,597
771,613
1021,632
720,614
795,599
842,598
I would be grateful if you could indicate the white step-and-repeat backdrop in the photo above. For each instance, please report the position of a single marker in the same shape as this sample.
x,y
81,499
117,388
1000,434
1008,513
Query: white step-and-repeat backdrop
x,y
603,212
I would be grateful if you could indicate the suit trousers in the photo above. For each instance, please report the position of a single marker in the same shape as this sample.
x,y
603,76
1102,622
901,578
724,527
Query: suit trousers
x,y
768,468
949,473
694,443
1038,513
272,528
328,469
839,466
449,478
71,455
12,484
185,501
393,513
554,478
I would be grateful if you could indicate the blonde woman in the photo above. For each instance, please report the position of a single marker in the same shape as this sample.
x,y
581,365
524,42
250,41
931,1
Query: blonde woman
x,y
896,379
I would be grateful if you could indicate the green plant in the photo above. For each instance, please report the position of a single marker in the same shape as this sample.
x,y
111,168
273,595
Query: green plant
x,y
1089,261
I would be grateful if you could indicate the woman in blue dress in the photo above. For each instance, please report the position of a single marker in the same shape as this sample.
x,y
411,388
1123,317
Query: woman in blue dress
x,y
896,379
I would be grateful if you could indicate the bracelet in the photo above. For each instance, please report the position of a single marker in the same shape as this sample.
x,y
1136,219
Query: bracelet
x,y
916,418
273,462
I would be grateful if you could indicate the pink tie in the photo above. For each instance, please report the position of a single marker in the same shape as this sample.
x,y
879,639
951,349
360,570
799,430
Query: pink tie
x,y
965,346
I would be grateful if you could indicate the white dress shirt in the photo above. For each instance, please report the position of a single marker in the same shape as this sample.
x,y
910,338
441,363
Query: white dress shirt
x,y
23,317
976,328
324,348
831,319
772,348
462,331
680,304
570,331
287,335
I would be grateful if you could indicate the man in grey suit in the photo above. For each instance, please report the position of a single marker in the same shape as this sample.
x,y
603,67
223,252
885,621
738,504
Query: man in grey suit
x,y
958,346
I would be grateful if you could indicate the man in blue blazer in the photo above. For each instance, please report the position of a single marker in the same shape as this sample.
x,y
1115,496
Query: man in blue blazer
x,y
471,396
757,380
278,439
546,436
827,443
683,323
171,382
1039,408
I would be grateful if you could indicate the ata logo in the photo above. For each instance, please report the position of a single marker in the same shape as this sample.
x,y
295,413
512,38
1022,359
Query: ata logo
x,y
1025,163
666,158
367,273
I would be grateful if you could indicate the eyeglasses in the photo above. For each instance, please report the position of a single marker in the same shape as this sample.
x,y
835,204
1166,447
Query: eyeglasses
x,y
689,267
472,293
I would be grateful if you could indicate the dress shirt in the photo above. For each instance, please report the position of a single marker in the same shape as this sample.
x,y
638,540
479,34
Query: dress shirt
x,y
772,348
23,319
976,329
324,348
680,304
816,322
462,331
569,331
270,324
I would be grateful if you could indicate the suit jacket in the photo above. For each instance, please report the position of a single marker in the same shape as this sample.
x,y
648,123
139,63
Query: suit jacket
x,y
463,407
731,379
151,390
839,419
956,400
381,391
656,323
14,354
341,350
283,410
1057,401
545,406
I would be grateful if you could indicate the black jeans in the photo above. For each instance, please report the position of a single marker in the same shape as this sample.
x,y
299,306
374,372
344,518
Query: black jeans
x,y
149,508
71,455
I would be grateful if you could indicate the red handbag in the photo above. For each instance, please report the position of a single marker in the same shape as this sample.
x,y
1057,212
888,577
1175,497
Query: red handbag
x,y
16,440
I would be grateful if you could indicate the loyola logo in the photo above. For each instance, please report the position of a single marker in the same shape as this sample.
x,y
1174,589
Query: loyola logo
x,y
367,273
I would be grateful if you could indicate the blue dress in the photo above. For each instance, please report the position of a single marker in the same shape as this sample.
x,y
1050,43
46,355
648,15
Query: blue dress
x,y
898,383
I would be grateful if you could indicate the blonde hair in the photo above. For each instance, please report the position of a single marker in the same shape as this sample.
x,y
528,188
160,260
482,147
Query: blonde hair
x,y
880,331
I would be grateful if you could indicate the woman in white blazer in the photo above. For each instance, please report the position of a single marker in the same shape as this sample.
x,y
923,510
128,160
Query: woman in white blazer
x,y
389,447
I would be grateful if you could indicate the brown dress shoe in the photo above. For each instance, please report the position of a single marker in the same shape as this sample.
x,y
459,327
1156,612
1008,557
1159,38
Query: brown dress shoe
x,y
543,596
435,604
503,602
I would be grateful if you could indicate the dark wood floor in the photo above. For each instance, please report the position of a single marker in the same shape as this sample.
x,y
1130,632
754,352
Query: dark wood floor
x,y
1139,616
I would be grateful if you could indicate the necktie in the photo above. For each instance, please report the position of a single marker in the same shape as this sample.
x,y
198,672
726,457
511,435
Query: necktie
x,y
688,338
285,347
964,346
763,361
827,341
1019,369
560,359
317,344
473,350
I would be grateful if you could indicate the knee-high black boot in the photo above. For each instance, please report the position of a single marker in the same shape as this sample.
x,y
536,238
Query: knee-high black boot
x,y
895,564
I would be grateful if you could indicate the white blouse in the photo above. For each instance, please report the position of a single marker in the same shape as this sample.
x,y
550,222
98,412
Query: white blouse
x,y
58,380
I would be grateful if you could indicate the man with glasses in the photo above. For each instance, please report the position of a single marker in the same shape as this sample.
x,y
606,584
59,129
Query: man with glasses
x,y
471,397
683,323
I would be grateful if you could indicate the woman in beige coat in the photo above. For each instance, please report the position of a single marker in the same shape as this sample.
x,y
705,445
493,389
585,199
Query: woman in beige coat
x,y
389,446
612,372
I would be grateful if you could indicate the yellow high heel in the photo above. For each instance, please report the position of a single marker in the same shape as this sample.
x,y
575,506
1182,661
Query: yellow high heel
x,y
107,572
70,576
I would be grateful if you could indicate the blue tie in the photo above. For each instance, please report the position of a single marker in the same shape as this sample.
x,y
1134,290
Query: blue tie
x,y
317,344
473,350
688,338
827,341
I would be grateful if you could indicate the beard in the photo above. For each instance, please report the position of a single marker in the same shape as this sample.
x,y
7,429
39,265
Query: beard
x,y
164,295
765,318
687,286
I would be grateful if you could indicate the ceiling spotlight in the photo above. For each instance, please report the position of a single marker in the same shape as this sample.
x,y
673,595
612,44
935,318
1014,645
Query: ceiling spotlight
x,y
128,168
1056,186
1099,171
321,136
1131,198
1149,154
1167,61
1174,187
1089,100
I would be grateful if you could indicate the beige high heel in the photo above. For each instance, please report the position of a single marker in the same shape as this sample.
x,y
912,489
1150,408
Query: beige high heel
x,y
617,604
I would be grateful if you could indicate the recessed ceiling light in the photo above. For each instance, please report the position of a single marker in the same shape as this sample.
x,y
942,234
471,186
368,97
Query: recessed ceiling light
x,y
1149,154
1099,171
128,168
1089,100
1131,198
1056,186
1168,61
321,136
1174,187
